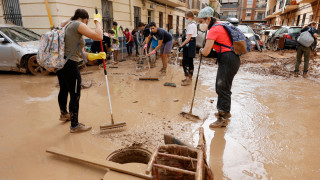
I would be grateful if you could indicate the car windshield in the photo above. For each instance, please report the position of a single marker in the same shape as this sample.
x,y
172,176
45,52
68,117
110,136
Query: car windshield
x,y
245,29
20,34
295,30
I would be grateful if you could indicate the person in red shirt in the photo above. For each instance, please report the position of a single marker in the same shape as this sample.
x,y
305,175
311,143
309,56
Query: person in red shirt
x,y
228,63
129,41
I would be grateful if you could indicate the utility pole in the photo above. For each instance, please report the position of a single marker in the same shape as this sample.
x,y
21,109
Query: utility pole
x,y
239,10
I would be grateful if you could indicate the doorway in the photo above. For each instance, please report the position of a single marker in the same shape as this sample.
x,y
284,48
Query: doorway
x,y
169,22
107,15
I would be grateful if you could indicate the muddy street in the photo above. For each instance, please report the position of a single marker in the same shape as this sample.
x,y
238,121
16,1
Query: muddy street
x,y
273,132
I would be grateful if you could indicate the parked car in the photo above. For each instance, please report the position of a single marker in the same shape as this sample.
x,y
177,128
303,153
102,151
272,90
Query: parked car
x,y
285,37
18,49
251,35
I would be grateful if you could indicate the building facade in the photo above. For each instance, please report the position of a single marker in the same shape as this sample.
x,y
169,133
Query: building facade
x,y
253,11
229,9
292,13
33,14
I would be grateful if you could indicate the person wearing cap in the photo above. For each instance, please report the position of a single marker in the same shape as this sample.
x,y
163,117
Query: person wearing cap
x,y
228,63
306,51
116,44
189,48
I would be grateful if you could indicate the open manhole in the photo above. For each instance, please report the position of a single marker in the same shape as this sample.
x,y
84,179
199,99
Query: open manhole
x,y
130,155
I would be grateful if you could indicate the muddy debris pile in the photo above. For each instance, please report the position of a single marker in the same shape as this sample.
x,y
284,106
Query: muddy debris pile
x,y
148,136
279,63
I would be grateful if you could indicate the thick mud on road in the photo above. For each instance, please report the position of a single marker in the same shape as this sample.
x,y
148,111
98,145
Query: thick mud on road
x,y
273,133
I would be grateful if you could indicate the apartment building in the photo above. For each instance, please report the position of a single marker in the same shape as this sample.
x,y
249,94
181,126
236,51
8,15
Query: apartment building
x,y
247,11
253,11
292,13
229,9
33,14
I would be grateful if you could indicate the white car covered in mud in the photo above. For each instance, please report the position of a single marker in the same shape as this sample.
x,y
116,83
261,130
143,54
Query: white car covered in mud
x,y
18,49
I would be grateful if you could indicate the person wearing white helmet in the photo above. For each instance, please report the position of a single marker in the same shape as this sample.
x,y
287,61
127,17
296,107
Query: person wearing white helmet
x,y
228,63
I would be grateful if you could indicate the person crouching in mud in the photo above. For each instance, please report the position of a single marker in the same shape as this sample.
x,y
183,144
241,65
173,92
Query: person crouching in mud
x,y
189,49
69,76
165,43
228,63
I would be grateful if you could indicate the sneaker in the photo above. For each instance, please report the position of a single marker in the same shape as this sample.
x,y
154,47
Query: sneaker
x,y
305,75
296,74
80,128
64,117
222,114
186,82
221,122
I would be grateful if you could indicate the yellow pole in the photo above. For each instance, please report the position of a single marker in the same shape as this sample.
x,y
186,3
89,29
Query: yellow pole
x,y
49,14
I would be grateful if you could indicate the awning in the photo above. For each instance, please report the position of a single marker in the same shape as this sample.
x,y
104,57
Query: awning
x,y
305,1
270,17
290,8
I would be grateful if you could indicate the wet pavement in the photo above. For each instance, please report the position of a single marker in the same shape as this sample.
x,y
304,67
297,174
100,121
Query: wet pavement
x,y
273,133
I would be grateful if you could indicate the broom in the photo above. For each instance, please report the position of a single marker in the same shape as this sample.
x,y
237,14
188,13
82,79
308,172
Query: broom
x,y
112,125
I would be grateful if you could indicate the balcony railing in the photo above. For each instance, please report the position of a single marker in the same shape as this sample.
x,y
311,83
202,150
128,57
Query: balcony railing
x,y
224,17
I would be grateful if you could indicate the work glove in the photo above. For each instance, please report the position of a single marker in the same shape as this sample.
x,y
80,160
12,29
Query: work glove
x,y
100,55
180,48
112,50
97,18
152,52
121,28
200,51
145,46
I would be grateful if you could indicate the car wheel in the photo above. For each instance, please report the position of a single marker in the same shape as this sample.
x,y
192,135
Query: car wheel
x,y
274,45
34,68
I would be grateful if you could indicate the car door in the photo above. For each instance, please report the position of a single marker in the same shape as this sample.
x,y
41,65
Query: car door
x,y
7,59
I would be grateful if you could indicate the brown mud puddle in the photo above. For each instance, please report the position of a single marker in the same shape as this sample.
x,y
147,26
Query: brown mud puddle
x,y
272,133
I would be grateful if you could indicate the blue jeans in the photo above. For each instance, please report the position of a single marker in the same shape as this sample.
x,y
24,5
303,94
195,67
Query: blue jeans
x,y
129,47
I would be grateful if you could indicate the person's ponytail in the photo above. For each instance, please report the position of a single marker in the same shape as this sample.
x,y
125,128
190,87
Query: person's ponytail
x,y
212,22
80,13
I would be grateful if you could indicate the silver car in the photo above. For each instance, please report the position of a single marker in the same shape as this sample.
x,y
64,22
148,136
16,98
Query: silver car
x,y
18,49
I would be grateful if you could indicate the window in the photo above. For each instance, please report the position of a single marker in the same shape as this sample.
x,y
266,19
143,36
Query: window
x,y
11,12
249,2
137,16
310,18
303,19
177,28
248,13
149,17
298,20
183,23
161,19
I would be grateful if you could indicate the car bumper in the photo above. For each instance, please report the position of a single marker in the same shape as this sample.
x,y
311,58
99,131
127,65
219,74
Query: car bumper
x,y
290,43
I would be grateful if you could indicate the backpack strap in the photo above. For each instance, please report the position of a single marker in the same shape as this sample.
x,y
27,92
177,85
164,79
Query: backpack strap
x,y
74,49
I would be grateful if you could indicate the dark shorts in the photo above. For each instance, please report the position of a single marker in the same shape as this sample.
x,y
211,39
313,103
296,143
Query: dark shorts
x,y
166,47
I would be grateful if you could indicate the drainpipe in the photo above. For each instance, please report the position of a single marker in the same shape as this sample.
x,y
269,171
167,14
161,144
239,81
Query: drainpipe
x,y
315,17
49,15
130,7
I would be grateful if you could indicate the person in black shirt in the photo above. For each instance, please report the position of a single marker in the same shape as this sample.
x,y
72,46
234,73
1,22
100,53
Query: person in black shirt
x,y
306,51
165,43
145,29
96,46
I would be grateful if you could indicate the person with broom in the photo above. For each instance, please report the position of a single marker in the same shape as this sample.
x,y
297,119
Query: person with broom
x,y
189,48
69,76
228,63
165,43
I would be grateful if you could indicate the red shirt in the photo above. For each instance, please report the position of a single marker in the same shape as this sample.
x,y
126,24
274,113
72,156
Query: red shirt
x,y
128,35
220,35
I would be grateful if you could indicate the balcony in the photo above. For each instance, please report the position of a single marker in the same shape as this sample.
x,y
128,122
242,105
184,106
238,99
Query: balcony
x,y
305,1
173,3
287,7
224,17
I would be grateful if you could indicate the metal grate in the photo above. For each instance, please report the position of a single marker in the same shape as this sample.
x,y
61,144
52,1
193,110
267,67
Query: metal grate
x,y
12,12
